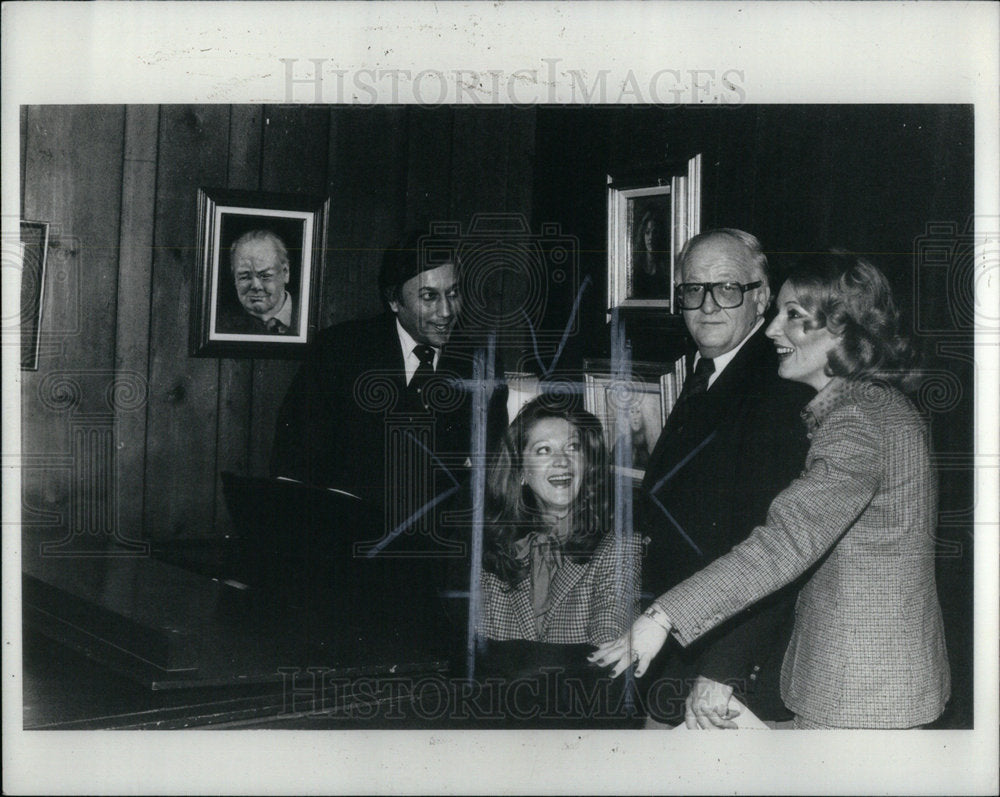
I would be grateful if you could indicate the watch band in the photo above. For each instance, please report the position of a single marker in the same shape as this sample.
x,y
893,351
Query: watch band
x,y
658,616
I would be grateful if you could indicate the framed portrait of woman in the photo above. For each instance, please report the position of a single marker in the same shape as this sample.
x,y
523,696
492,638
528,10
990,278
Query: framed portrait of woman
x,y
649,218
632,410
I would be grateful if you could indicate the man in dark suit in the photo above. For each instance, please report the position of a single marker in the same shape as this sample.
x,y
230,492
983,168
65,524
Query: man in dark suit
x,y
258,260
732,443
384,406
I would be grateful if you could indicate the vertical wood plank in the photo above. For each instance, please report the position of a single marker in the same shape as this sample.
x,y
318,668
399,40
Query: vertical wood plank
x,y
479,162
73,168
235,375
367,186
293,160
520,155
135,259
428,179
180,463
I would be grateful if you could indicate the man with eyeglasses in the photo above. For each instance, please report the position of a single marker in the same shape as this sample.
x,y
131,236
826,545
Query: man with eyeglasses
x,y
732,443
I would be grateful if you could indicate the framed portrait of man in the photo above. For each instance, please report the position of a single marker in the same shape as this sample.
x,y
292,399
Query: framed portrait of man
x,y
260,260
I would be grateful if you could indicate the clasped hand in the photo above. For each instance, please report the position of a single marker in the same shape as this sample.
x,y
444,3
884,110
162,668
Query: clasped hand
x,y
638,646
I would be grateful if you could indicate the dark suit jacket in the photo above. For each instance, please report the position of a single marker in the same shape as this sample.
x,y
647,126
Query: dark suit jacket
x,y
709,482
347,421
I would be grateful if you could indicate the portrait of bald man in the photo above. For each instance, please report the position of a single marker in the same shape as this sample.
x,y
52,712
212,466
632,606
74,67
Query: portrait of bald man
x,y
259,267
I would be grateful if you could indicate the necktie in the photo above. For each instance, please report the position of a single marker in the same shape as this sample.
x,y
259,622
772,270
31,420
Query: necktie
x,y
698,381
276,326
423,373
694,386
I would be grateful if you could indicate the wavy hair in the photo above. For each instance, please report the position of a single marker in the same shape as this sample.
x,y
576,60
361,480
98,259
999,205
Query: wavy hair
x,y
511,510
852,298
660,243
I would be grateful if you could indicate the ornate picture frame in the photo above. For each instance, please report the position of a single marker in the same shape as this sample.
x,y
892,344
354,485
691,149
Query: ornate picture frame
x,y
650,217
259,307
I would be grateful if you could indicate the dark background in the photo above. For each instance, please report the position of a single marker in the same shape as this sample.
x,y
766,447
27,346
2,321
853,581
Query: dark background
x,y
118,185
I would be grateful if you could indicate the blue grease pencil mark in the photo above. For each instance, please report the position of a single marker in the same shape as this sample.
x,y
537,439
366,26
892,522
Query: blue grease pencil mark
x,y
565,336
482,370
621,368
669,475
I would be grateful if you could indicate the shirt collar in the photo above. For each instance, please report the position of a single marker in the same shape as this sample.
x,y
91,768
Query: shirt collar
x,y
407,343
284,315
723,360
823,403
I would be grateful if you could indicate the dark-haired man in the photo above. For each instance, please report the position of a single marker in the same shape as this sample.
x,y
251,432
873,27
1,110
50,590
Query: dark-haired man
x,y
383,408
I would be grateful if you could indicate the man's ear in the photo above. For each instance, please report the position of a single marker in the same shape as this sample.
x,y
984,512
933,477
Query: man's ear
x,y
763,299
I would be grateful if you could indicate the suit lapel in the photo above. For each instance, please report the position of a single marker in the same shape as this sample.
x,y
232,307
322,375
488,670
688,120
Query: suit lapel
x,y
392,353
708,413
563,582
524,614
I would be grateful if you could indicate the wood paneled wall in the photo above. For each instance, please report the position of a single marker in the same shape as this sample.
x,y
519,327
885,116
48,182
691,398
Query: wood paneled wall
x,y
118,186
123,432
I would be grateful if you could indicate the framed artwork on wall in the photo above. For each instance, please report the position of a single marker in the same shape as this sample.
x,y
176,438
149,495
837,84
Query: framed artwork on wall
x,y
34,248
649,219
260,265
632,409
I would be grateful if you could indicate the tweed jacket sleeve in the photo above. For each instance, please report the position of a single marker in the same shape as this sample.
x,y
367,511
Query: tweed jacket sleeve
x,y
805,521
615,588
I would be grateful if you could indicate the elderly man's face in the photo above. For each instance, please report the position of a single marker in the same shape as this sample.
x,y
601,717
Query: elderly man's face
x,y
429,304
260,277
716,330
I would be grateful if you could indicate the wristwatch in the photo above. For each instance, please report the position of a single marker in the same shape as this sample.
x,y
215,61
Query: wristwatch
x,y
658,616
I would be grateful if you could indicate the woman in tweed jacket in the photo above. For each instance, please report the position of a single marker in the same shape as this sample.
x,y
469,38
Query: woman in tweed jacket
x,y
552,572
867,649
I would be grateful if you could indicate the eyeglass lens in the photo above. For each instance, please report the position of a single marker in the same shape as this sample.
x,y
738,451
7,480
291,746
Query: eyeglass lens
x,y
725,295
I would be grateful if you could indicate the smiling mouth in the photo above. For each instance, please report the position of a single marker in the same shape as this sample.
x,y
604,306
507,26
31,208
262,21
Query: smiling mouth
x,y
561,481
783,352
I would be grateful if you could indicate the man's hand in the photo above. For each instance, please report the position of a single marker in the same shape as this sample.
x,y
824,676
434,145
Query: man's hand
x,y
708,705
638,646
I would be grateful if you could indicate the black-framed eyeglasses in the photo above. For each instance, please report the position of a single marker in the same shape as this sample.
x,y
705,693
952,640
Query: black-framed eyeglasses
x,y
726,295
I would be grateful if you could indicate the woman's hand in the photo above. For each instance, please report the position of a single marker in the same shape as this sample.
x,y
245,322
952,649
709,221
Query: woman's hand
x,y
638,646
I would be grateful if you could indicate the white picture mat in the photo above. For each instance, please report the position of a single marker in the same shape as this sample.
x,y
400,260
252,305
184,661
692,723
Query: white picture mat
x,y
781,52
